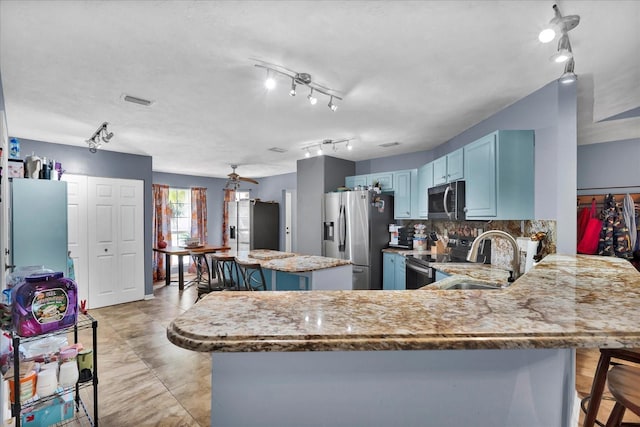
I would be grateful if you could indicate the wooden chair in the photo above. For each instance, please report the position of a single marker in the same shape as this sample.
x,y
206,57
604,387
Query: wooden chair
x,y
600,377
624,385
252,275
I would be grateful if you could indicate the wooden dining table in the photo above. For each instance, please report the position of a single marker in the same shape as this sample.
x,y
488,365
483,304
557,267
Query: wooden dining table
x,y
181,251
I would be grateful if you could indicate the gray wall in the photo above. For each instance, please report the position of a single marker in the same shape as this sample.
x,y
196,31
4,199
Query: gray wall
x,y
106,164
610,165
316,176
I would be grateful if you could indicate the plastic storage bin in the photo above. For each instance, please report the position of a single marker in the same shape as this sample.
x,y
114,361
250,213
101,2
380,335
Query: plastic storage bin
x,y
44,303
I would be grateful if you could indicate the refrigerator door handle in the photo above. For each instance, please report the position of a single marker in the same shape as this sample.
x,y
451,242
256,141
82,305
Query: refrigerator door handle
x,y
232,232
342,230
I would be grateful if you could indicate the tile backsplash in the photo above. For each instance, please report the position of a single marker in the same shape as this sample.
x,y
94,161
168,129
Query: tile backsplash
x,y
500,249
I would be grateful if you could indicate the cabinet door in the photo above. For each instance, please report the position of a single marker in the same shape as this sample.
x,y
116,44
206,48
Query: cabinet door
x,y
455,165
384,179
440,170
388,271
402,195
356,180
401,271
480,172
425,181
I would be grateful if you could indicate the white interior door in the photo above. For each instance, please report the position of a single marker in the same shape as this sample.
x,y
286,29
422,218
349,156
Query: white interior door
x,y
77,229
116,245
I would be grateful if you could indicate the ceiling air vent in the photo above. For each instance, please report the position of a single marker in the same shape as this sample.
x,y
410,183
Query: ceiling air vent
x,y
389,144
137,100
277,150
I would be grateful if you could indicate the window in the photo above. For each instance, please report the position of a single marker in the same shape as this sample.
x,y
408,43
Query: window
x,y
180,202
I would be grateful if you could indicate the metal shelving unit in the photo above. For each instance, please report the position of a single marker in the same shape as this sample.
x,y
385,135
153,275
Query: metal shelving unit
x,y
81,411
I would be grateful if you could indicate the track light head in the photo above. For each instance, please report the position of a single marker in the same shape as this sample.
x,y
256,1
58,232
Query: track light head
x,y
99,136
270,82
312,99
568,76
292,92
331,105
558,24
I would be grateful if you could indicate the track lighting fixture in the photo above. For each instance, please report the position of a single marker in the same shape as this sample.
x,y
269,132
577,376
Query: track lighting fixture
x,y
299,79
99,136
319,147
564,54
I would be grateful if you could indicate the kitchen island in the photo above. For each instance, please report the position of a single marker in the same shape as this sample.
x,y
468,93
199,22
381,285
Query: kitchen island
x,y
483,358
290,271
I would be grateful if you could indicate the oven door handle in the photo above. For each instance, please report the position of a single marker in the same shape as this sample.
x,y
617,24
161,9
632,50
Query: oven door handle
x,y
419,269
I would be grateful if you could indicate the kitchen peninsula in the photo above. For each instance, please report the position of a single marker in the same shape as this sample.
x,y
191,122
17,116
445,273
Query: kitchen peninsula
x,y
483,358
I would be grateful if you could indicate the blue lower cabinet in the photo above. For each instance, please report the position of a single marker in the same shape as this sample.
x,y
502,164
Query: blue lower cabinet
x,y
401,272
286,281
393,271
440,275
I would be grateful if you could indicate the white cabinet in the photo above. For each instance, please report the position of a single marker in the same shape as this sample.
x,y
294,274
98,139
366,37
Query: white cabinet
x,y
449,168
499,175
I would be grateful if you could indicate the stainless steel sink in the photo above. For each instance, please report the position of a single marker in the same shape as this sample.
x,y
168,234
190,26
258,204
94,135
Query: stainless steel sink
x,y
472,285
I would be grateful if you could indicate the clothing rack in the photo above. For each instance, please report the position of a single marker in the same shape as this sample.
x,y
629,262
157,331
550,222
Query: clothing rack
x,y
585,200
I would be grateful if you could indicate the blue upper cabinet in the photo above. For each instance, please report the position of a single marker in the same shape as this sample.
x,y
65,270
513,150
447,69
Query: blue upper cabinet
x,y
357,180
383,179
425,181
455,165
402,195
499,175
449,168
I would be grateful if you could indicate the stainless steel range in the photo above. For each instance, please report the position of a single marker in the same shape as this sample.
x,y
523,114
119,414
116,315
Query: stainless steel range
x,y
419,272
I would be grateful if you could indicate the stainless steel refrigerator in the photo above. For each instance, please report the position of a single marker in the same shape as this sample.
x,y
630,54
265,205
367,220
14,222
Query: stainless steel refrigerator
x,y
355,227
253,225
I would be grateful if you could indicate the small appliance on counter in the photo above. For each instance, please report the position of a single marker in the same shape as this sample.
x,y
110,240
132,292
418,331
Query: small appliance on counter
x,y
401,236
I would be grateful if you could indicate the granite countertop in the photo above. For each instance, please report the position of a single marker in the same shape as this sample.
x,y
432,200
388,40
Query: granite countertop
x,y
289,262
465,271
563,302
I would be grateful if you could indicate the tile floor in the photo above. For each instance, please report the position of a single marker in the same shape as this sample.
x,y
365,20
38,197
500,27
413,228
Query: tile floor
x,y
144,380
147,381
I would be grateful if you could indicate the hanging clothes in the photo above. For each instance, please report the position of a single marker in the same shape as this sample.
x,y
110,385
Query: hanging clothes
x,y
629,213
614,237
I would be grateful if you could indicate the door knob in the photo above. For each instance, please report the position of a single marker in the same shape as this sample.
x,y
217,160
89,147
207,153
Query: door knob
x,y
106,250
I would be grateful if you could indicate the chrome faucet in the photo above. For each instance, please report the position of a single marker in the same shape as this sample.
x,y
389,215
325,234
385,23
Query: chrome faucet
x,y
515,262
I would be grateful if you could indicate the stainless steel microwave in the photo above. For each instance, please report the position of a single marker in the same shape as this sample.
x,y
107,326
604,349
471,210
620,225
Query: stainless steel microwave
x,y
447,201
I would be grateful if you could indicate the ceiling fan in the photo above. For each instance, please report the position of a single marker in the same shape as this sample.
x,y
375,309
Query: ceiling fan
x,y
234,179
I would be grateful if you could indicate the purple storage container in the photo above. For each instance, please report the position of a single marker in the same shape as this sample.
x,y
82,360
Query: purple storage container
x,y
44,303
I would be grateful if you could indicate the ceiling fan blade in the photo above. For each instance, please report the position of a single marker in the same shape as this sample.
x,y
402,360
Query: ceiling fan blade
x,y
253,181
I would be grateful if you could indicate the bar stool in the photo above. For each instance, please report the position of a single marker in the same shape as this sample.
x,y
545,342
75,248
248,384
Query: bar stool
x,y
600,377
252,275
205,277
228,275
624,385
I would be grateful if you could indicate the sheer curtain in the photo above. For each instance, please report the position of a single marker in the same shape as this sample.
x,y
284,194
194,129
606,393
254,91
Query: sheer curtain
x,y
199,214
161,227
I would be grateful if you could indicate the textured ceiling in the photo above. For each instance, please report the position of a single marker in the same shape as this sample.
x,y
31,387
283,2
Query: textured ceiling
x,y
417,72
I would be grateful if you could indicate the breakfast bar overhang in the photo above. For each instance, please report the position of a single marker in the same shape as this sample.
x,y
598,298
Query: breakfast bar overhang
x,y
413,358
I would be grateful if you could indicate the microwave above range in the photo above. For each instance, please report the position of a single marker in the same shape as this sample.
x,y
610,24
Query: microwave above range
x,y
447,201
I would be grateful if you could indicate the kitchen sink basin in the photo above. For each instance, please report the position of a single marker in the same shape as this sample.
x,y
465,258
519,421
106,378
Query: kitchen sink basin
x,y
472,285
